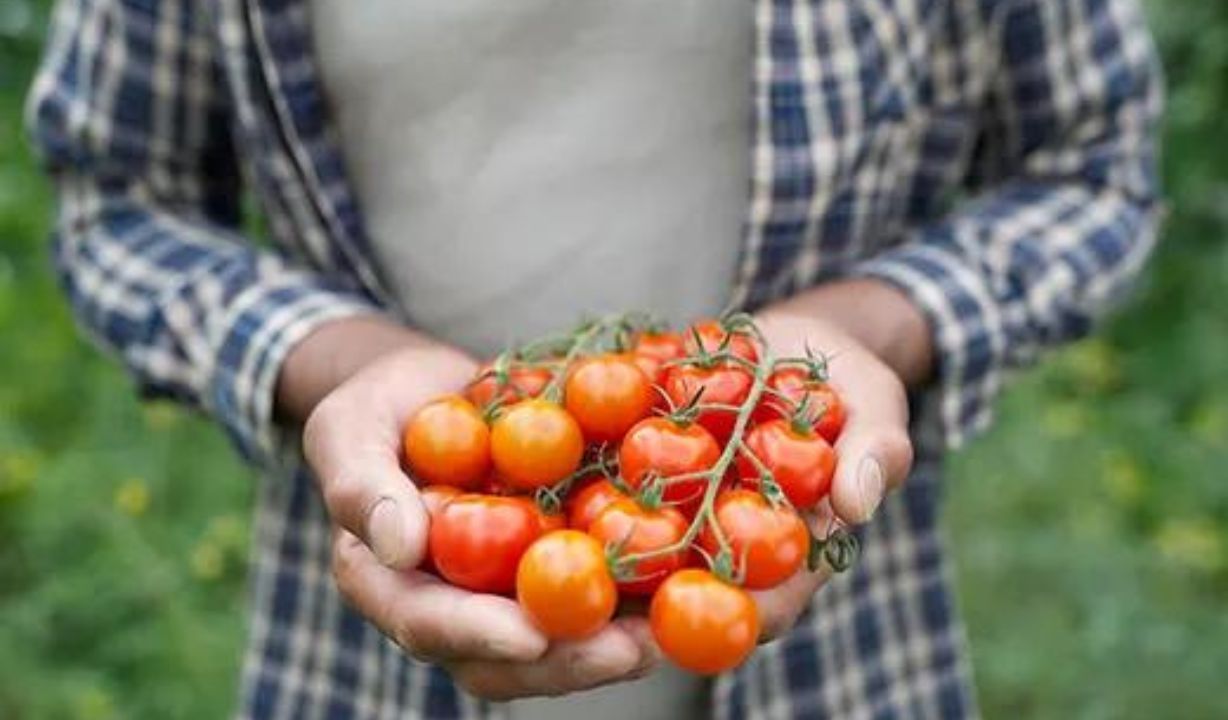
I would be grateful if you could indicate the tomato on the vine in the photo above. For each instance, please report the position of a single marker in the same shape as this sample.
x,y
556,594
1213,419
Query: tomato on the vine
x,y
607,394
633,529
535,443
522,383
476,541
801,462
712,335
584,504
447,442
796,384
703,624
768,544
660,447
564,585
652,350
548,521
722,384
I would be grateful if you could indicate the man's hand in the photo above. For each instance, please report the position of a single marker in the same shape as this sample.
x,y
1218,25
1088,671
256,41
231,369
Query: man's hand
x,y
874,338
360,380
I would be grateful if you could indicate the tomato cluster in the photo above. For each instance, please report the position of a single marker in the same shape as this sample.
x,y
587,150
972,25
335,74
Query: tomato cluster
x,y
630,461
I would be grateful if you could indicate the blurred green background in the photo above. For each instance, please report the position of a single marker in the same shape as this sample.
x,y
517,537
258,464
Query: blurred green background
x,y
1091,526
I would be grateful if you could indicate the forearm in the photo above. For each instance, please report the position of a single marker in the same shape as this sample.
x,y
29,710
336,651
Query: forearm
x,y
875,314
337,350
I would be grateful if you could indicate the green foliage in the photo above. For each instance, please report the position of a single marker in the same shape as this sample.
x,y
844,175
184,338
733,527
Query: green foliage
x,y
1091,527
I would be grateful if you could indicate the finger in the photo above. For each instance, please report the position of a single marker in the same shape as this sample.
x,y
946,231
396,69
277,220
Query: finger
x,y
874,449
429,618
353,449
623,650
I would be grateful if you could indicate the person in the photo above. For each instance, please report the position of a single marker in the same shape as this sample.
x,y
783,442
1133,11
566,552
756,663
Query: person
x,y
933,191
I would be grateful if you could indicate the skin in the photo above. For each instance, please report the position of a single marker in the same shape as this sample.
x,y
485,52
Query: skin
x,y
354,382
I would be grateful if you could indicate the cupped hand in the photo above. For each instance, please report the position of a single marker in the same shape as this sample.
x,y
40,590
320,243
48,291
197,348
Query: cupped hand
x,y
874,450
352,442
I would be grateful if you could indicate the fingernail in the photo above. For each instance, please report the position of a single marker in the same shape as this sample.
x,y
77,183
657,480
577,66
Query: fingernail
x,y
386,531
870,483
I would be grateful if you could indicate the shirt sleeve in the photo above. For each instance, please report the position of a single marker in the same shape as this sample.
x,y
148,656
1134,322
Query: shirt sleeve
x,y
132,122
1035,260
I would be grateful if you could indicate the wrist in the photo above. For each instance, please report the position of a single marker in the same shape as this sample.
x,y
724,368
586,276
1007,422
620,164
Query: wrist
x,y
874,313
337,350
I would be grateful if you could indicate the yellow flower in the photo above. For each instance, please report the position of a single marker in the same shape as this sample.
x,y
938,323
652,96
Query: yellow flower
x,y
132,498
1193,542
1122,477
94,704
208,563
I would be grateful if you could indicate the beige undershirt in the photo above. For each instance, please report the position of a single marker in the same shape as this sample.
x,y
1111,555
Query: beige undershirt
x,y
521,163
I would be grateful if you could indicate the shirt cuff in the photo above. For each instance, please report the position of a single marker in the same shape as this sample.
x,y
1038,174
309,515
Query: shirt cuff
x,y
967,325
261,326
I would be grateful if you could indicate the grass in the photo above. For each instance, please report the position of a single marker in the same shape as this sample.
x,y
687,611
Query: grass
x,y
1091,526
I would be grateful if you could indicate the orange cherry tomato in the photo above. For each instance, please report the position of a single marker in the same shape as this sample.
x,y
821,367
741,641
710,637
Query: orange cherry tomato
x,y
660,447
724,384
522,383
634,529
769,544
585,504
535,443
703,624
823,403
607,394
447,442
564,585
712,335
476,541
801,463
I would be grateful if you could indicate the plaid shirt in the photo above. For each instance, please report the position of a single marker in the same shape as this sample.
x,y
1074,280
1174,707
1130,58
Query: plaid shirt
x,y
992,158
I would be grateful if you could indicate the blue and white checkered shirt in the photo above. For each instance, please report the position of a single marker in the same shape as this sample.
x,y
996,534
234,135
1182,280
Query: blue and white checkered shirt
x,y
993,158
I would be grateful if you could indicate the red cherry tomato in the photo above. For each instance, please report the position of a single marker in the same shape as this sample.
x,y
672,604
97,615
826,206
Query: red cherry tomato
x,y
564,586
632,529
823,403
703,624
434,497
712,335
769,544
801,463
535,443
522,383
476,541
660,447
447,442
607,394
653,350
585,504
724,384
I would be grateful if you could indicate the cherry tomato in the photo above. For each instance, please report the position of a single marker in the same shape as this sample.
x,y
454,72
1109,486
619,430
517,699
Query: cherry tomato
x,y
476,541
653,350
607,394
712,335
769,544
546,521
795,383
434,497
703,624
661,447
535,443
724,384
634,529
522,383
564,586
447,442
585,504
801,463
